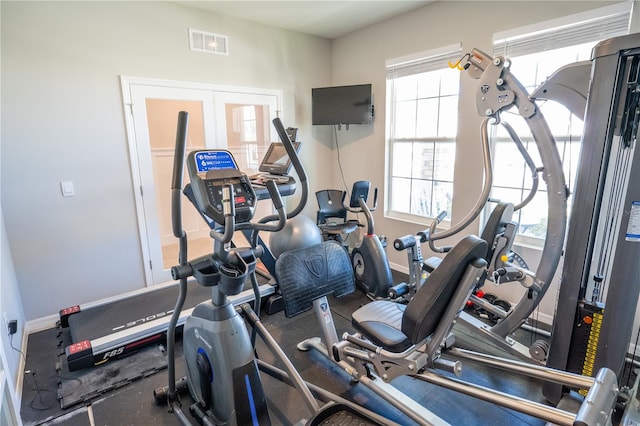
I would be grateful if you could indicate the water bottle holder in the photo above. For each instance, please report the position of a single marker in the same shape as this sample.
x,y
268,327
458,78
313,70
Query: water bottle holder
x,y
232,277
208,276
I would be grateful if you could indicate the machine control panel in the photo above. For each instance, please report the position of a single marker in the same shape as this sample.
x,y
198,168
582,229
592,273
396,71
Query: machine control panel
x,y
210,172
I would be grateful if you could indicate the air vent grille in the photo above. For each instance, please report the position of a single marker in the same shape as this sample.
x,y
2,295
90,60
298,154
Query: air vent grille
x,y
202,41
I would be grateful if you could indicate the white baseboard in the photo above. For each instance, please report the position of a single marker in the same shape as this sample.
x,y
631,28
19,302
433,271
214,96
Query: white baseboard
x,y
39,324
21,368
404,269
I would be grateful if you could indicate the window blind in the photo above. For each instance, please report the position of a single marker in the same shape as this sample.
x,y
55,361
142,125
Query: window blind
x,y
595,25
431,60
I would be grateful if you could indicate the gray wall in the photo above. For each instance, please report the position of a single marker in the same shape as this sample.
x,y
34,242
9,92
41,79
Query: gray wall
x,y
63,120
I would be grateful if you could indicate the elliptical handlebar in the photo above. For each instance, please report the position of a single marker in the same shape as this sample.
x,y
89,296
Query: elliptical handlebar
x,y
297,166
276,199
176,184
229,209
178,232
262,224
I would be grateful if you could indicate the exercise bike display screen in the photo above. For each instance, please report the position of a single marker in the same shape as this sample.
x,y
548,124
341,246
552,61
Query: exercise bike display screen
x,y
214,160
210,171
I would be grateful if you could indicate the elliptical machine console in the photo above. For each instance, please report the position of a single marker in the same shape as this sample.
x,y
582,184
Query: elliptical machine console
x,y
210,171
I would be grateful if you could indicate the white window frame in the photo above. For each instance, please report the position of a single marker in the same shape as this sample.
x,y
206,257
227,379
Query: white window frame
x,y
426,61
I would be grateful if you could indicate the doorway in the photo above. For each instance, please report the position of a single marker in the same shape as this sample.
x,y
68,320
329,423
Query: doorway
x,y
237,119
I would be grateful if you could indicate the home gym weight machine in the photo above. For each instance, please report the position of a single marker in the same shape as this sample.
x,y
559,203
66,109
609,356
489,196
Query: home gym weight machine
x,y
393,340
600,266
599,285
222,372
499,90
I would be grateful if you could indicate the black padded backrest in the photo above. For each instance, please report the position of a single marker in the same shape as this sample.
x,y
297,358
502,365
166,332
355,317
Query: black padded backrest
x,y
496,225
424,311
330,204
309,273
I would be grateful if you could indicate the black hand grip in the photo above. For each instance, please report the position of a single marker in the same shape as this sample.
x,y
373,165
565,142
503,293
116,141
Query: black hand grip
x,y
272,187
181,271
178,172
181,145
441,216
404,243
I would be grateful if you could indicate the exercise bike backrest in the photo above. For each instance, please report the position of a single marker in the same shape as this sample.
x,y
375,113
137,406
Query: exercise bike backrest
x,y
358,202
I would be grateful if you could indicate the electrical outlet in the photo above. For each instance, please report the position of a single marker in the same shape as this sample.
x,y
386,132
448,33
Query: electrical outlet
x,y
13,327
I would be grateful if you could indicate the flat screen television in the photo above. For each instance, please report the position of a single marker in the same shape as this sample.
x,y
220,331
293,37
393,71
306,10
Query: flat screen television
x,y
342,105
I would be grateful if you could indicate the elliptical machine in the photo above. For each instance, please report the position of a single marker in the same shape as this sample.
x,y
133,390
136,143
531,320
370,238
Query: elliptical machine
x,y
222,370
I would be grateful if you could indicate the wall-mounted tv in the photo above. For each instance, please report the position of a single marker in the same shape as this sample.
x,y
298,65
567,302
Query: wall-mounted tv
x,y
342,105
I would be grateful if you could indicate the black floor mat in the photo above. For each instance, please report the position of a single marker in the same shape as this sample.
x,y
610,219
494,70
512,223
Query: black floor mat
x,y
81,386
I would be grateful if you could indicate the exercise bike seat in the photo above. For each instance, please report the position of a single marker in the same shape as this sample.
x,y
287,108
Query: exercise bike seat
x,y
385,322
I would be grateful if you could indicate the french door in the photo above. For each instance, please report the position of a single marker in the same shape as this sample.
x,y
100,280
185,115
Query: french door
x,y
237,119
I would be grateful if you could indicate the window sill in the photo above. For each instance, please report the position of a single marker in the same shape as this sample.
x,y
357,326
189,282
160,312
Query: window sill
x,y
416,220
532,243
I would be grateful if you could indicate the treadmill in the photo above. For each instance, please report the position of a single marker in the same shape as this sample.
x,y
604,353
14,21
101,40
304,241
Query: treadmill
x,y
100,332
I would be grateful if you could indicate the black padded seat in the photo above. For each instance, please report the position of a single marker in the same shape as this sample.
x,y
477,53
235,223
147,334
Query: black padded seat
x,y
381,321
421,316
337,228
331,206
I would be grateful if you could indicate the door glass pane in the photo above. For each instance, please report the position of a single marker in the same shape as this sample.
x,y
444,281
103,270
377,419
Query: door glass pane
x,y
248,134
162,118
248,139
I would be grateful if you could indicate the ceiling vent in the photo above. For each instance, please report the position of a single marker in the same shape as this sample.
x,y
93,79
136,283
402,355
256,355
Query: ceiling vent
x,y
202,41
